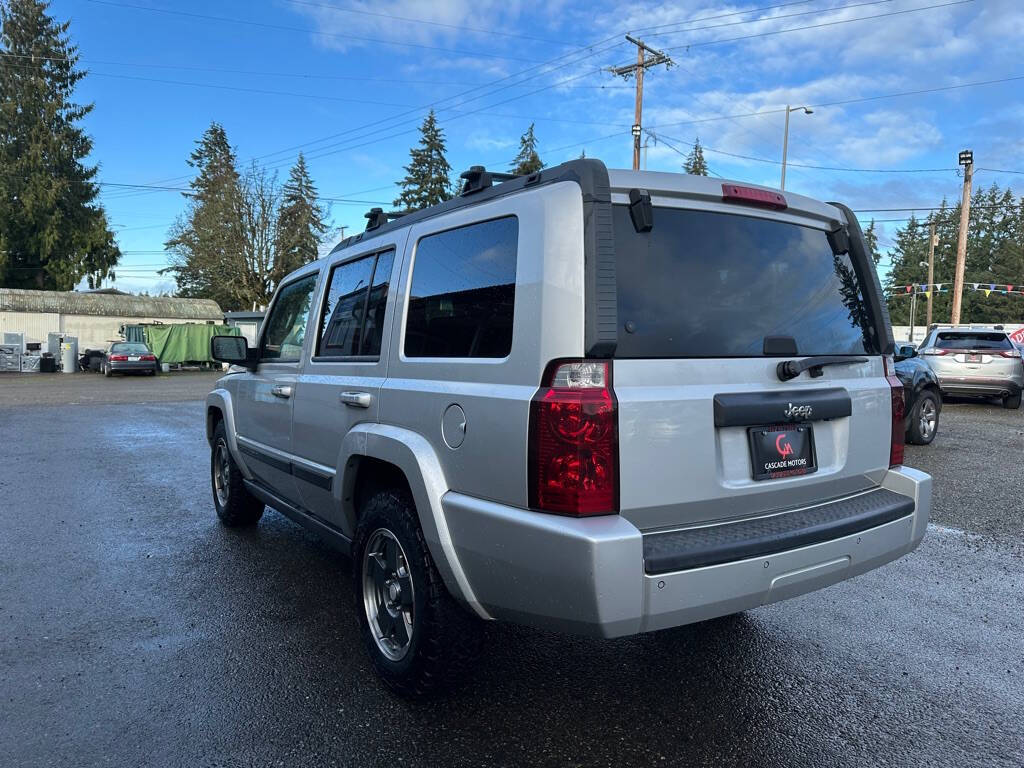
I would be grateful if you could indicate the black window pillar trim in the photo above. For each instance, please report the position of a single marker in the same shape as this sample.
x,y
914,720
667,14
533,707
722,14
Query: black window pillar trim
x,y
868,276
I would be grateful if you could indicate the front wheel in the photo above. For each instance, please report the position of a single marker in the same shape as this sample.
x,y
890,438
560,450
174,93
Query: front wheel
x,y
235,505
924,419
419,639
1012,402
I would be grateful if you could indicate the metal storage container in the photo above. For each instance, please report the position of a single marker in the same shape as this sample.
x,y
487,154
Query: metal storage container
x,y
10,357
30,363
69,355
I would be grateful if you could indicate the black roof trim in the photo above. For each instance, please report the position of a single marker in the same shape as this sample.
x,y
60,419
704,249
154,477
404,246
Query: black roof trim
x,y
591,175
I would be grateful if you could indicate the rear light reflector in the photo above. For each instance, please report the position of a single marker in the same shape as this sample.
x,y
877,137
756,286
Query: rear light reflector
x,y
899,412
118,358
764,197
573,453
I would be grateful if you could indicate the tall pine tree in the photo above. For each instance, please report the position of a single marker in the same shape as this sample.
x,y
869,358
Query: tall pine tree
x,y
53,231
695,165
208,241
428,175
527,161
300,221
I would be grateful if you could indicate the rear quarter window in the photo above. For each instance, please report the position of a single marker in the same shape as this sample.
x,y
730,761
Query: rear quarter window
x,y
703,284
462,296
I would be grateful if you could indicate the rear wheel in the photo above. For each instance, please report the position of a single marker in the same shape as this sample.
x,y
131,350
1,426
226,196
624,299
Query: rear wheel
x,y
924,419
235,505
1012,402
419,639
107,372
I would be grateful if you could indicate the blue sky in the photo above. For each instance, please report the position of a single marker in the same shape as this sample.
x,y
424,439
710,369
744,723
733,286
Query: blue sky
x,y
349,82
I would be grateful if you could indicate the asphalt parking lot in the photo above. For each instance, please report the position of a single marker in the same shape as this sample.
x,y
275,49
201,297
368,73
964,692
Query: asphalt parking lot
x,y
138,631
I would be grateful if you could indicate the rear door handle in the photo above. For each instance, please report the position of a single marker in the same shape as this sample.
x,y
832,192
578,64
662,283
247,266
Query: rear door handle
x,y
355,399
281,390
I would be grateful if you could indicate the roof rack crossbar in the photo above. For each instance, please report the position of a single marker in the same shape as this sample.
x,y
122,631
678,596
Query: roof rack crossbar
x,y
378,217
478,177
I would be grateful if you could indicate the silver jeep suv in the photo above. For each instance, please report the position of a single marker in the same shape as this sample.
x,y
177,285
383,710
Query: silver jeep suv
x,y
590,401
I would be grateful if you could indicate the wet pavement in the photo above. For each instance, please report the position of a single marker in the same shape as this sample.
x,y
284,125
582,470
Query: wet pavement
x,y
137,631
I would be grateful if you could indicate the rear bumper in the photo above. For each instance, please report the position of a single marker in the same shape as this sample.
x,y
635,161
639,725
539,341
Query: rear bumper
x,y
988,386
589,575
140,366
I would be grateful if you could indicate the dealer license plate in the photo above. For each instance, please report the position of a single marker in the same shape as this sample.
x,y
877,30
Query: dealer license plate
x,y
782,451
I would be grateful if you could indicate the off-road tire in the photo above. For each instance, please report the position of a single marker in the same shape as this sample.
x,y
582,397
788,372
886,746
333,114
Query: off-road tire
x,y
446,638
915,435
1012,402
240,507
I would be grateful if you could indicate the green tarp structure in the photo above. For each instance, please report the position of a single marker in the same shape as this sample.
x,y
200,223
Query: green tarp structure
x,y
185,343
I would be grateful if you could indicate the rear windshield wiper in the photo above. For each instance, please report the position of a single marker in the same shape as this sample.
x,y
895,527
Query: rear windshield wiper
x,y
790,369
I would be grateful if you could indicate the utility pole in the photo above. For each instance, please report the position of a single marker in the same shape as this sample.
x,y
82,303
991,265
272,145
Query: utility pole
x,y
931,272
785,140
637,70
966,159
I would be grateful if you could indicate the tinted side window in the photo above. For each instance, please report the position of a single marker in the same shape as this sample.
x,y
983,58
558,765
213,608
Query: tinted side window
x,y
286,327
350,325
463,292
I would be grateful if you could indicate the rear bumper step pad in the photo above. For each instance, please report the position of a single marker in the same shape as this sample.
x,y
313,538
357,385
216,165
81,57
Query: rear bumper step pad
x,y
728,542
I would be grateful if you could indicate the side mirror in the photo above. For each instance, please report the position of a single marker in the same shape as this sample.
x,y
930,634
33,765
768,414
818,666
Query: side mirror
x,y
905,351
233,350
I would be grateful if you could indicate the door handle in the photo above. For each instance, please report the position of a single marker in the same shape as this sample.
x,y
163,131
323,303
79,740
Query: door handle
x,y
355,399
281,390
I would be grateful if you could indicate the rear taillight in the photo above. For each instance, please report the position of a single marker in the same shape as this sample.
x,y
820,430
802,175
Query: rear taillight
x,y
574,456
933,351
148,358
899,412
118,358
1011,353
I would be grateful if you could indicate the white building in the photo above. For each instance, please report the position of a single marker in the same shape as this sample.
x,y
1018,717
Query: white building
x,y
95,318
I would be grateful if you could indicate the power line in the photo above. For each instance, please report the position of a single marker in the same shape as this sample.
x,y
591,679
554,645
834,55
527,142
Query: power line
x,y
378,14
305,30
859,100
774,18
809,26
644,30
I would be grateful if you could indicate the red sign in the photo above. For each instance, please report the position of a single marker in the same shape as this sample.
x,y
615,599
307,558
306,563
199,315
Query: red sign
x,y
1018,336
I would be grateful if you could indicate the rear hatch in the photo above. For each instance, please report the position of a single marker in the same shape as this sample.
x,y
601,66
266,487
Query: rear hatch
x,y
710,301
974,354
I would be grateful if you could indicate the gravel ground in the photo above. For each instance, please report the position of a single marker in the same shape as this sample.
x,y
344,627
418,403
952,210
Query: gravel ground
x,y
138,631
977,462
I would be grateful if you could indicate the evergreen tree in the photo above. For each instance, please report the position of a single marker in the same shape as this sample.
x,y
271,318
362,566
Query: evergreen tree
x,y
53,232
208,242
427,177
300,221
527,161
695,165
871,240
995,255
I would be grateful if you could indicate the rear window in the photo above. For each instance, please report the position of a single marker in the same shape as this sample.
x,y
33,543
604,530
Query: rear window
x,y
703,284
130,348
958,340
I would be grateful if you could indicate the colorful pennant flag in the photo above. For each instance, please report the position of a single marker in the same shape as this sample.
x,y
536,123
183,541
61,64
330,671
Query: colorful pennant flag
x,y
987,292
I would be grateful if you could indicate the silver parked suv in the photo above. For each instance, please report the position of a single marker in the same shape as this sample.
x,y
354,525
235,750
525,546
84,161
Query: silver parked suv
x,y
975,361
591,401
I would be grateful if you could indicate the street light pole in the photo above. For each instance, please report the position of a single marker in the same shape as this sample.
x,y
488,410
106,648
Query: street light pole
x,y
785,140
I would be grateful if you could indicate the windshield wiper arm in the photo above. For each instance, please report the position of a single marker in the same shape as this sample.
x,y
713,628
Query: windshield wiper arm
x,y
790,369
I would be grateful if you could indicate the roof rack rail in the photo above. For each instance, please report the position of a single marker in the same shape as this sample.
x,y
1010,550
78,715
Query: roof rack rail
x,y
478,177
378,217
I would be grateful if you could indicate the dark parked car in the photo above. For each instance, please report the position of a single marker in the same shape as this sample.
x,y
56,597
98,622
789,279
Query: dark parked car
x,y
923,396
130,357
